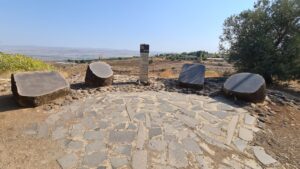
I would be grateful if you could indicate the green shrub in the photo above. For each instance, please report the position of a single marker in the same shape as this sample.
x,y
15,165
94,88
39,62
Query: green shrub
x,y
17,62
265,40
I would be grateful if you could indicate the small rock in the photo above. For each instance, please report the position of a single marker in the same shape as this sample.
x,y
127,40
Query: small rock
x,y
191,146
121,136
177,156
94,159
75,145
262,156
157,145
139,160
59,133
250,120
94,135
68,161
240,144
154,132
124,149
95,147
117,162
246,134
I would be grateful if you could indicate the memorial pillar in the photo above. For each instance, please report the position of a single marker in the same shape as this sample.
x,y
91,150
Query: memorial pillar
x,y
144,64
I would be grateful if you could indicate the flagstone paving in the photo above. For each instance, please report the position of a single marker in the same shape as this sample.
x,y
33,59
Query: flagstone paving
x,y
155,130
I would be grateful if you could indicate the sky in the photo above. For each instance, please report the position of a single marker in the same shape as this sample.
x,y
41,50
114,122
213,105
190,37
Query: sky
x,y
167,25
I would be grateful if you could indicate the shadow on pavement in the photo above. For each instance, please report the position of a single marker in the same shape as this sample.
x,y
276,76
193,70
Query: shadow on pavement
x,y
7,103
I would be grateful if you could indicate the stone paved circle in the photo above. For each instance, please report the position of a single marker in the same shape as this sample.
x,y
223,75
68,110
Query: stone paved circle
x,y
156,130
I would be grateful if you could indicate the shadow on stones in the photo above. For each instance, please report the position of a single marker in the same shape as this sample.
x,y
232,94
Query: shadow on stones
x,y
7,103
84,86
79,85
125,83
212,88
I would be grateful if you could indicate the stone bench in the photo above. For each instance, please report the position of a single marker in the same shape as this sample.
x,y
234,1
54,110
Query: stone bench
x,y
246,86
37,88
192,75
99,74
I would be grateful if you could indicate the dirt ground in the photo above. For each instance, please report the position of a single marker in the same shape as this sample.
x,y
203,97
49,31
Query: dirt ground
x,y
18,151
280,137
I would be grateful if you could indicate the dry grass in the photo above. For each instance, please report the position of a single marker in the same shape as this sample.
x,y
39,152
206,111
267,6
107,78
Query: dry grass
x,y
167,74
211,73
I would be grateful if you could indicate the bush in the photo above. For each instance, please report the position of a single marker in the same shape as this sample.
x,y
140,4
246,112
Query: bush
x,y
17,62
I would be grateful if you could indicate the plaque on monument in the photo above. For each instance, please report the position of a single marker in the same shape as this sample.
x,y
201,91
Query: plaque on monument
x,y
144,48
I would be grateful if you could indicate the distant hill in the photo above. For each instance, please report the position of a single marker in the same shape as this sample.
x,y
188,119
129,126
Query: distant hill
x,y
63,53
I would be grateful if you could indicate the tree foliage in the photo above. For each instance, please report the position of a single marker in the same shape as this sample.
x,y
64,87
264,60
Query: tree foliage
x,y
265,40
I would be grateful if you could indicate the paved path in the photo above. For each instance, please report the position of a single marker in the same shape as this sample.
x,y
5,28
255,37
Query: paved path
x,y
155,130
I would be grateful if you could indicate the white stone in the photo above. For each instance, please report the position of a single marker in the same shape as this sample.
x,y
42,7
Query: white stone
x,y
205,162
240,144
59,133
117,162
250,120
246,134
190,122
157,145
191,146
262,156
141,136
68,161
231,129
177,156
206,148
139,159
148,122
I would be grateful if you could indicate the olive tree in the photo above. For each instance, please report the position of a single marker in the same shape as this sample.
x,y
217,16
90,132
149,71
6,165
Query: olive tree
x,y
265,39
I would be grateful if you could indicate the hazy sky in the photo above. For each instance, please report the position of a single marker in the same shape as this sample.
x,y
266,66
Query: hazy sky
x,y
167,25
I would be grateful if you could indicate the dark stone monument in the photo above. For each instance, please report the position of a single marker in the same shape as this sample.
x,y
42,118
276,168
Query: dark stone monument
x,y
246,86
99,74
144,64
192,75
37,88
144,48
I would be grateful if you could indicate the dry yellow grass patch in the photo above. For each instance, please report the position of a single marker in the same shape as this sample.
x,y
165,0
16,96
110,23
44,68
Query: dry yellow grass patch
x,y
167,74
211,73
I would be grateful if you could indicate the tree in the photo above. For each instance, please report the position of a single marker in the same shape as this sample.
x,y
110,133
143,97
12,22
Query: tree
x,y
265,40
